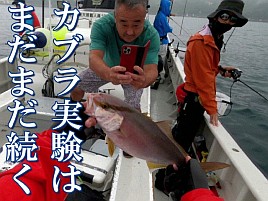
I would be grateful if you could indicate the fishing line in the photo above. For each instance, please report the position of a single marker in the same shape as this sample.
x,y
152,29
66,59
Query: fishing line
x,y
183,15
230,94
224,44
180,26
238,80
229,103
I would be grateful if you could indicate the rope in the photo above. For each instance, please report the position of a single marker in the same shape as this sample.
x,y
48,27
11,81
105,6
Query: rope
x,y
224,44
45,72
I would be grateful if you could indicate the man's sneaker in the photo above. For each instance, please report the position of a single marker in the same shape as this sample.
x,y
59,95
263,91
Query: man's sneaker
x,y
155,85
161,81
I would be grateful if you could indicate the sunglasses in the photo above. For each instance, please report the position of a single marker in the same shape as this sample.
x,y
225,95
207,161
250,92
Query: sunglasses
x,y
226,16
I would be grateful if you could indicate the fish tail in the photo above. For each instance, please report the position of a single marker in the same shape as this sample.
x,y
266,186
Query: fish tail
x,y
154,166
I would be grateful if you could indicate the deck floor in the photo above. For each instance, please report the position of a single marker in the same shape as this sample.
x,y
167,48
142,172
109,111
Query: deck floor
x,y
161,109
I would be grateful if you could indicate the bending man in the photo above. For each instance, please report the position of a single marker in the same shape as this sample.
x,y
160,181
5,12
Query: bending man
x,y
127,25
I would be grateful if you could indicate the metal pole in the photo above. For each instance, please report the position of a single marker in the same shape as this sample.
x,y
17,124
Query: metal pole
x,y
43,13
170,9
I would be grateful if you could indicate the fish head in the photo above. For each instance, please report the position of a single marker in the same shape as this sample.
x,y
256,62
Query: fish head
x,y
132,131
105,110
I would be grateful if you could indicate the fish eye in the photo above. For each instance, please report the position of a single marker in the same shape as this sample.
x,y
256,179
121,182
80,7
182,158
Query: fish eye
x,y
104,106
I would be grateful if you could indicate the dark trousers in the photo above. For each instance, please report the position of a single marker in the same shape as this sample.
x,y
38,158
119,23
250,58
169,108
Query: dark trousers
x,y
160,65
189,121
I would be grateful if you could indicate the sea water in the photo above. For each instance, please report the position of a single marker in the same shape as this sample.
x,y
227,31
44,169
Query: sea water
x,y
246,49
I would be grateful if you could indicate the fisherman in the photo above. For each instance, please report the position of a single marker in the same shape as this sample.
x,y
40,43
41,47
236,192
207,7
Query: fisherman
x,y
162,26
34,21
126,25
201,67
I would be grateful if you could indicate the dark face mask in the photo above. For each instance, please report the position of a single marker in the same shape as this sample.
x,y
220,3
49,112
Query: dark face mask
x,y
217,30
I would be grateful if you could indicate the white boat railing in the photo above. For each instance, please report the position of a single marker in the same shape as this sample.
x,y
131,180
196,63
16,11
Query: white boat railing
x,y
244,178
6,97
5,67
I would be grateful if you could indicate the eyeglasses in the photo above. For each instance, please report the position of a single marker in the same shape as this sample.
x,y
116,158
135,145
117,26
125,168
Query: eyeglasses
x,y
226,16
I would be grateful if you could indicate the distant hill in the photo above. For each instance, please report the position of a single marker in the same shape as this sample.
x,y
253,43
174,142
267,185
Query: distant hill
x,y
254,10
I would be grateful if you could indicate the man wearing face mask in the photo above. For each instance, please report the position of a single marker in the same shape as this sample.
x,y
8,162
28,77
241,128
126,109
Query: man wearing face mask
x,y
201,67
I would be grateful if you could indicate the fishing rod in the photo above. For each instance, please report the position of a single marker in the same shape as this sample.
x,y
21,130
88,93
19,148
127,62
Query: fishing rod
x,y
176,35
182,29
170,9
183,14
236,74
180,26
238,80
178,38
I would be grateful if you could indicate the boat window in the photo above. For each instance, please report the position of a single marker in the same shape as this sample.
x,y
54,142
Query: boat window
x,y
96,2
60,5
102,4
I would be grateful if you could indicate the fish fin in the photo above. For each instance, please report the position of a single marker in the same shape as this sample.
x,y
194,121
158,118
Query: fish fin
x,y
165,127
111,145
212,166
154,166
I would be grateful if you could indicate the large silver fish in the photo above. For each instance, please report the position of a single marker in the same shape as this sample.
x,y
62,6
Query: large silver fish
x,y
132,131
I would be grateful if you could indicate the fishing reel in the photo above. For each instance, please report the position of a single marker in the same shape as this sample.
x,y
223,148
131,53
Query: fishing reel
x,y
236,73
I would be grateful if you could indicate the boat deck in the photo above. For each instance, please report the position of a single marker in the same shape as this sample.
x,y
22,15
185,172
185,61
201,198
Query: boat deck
x,y
163,103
